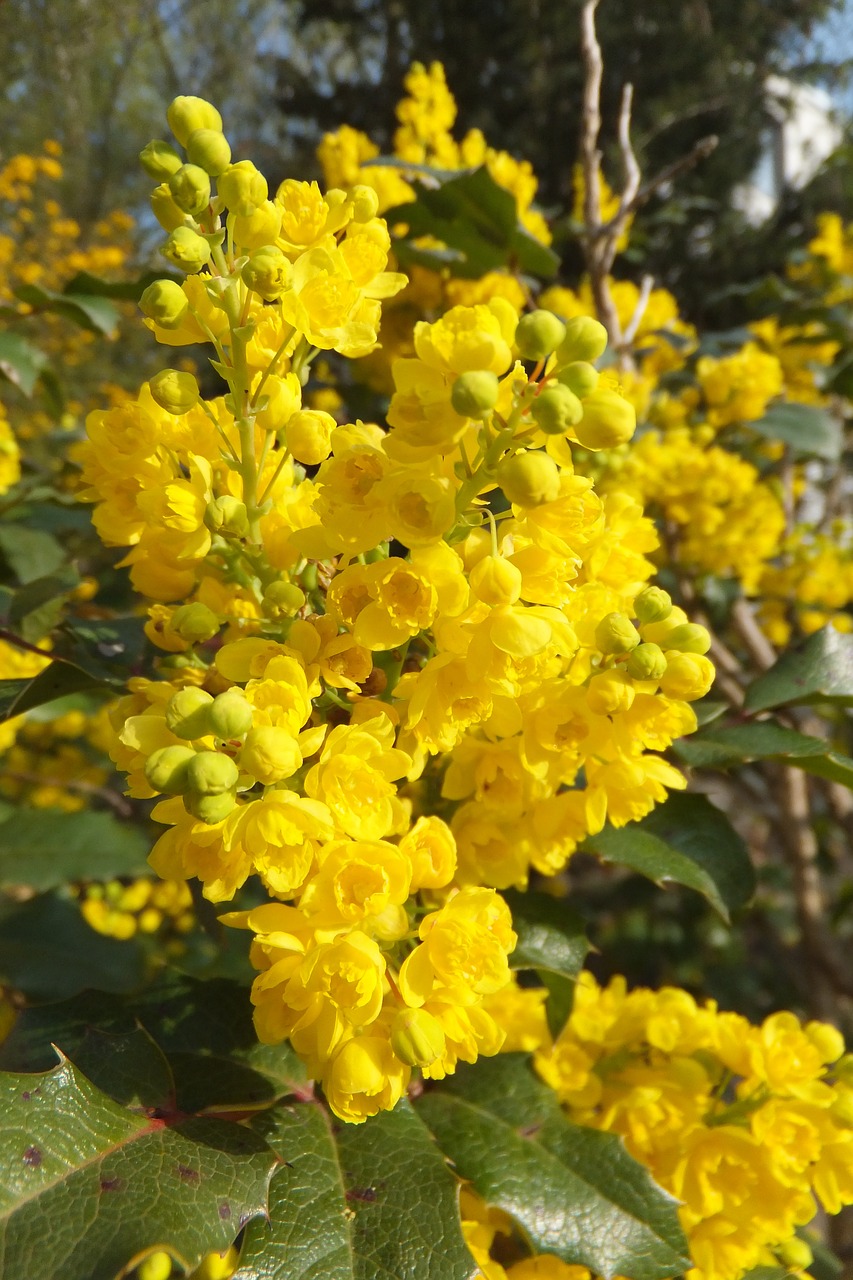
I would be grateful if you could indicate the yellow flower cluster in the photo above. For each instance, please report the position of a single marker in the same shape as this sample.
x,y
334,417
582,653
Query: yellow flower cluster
x,y
10,454
811,585
56,763
749,1127
145,906
17,664
401,666
214,1266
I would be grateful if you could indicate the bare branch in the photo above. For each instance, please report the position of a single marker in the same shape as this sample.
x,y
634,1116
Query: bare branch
x,y
646,285
629,159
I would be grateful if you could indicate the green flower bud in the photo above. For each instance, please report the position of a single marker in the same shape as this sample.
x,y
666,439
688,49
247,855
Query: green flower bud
x,y
187,114
556,409
230,715
195,622
267,272
417,1037
190,188
209,149
166,770
187,250
242,188
529,479
210,773
580,376
608,420
284,598
653,604
165,303
616,633
227,515
164,208
159,160
689,637
647,662
365,203
187,712
474,394
210,809
538,334
585,340
174,391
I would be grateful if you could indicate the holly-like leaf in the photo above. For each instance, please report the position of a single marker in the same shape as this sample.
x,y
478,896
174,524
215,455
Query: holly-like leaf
x,y
821,670
44,848
57,680
122,290
86,1184
128,1067
573,1191
30,553
551,940
727,747
89,311
356,1202
810,432
37,607
21,362
686,841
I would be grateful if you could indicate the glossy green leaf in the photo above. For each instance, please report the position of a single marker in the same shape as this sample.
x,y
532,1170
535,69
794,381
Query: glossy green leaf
x,y
821,670
21,362
128,1067
551,940
573,1191
57,680
37,607
30,553
728,747
122,290
810,432
44,848
91,312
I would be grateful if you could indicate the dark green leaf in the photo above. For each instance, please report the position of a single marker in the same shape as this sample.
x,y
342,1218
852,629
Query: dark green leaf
x,y
724,748
86,1184
57,680
573,1191
128,1067
821,670
21,362
30,553
37,607
121,290
90,312
43,848
809,431
552,941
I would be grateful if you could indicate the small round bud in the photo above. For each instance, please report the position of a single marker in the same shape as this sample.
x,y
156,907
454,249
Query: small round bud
x,y
529,479
538,334
190,188
417,1037
581,377
647,662
795,1253
242,188
187,713
556,410
164,208
653,604
365,203
495,581
230,715
585,339
284,598
174,391
165,303
195,622
616,633
166,770
309,435
257,230
687,676
209,149
474,394
187,250
157,1266
267,272
210,773
159,160
689,637
187,114
210,809
608,420
227,515
270,754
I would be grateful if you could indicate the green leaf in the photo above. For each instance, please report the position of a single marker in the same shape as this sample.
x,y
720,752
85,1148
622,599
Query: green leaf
x,y
30,553
809,431
724,748
44,848
367,1202
96,314
57,680
38,607
128,1067
121,290
821,670
86,1184
573,1191
21,362
551,940
687,841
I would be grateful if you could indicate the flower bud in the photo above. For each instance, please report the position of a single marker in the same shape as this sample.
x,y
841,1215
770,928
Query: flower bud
x,y
187,250
608,420
209,149
267,272
474,394
210,809
647,662
270,754
187,712
164,208
210,773
529,479
585,340
309,435
230,715
284,598
157,1266
227,515
195,622
794,1254
242,188
556,410
365,203
616,633
581,377
190,188
174,391
257,230
187,114
610,692
166,769
688,676
653,604
538,334
689,637
495,581
165,303
159,160
417,1037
